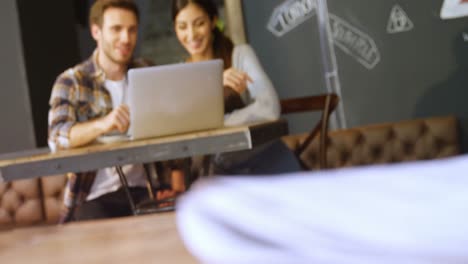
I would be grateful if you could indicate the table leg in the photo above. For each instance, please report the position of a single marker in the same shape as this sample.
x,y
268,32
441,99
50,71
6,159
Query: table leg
x,y
150,171
124,182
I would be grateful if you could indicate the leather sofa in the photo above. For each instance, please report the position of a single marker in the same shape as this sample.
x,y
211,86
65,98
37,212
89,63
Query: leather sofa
x,y
31,202
418,139
38,201
20,203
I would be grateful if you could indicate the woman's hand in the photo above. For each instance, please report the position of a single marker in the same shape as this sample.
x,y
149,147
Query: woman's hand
x,y
236,79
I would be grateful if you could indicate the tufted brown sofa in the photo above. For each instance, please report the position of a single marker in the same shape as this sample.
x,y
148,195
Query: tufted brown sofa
x,y
420,139
20,203
37,201
31,202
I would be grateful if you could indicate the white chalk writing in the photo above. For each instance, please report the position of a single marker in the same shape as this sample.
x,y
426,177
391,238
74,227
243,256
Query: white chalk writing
x,y
351,40
354,42
399,21
465,36
289,15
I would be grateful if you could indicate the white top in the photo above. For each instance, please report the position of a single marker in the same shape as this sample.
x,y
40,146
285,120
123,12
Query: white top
x,y
415,213
260,97
107,179
117,90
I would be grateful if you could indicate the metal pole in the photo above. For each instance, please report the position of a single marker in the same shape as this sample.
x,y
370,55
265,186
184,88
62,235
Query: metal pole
x,y
332,81
124,182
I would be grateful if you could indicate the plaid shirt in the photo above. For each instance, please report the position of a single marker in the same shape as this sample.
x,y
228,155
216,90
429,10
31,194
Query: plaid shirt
x,y
78,95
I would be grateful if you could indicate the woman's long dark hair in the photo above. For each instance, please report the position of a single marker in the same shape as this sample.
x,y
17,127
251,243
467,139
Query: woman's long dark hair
x,y
222,45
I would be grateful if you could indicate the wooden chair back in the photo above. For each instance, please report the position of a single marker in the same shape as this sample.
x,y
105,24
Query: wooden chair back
x,y
325,103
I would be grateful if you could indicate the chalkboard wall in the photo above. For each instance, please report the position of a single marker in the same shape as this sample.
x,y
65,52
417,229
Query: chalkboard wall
x,y
396,59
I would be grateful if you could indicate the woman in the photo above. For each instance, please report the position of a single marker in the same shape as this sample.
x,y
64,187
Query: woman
x,y
195,26
195,23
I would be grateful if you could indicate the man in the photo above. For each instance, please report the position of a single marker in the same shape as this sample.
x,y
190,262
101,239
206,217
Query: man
x,y
88,101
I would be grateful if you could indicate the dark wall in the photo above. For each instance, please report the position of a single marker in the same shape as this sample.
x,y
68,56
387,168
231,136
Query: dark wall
x,y
418,71
15,115
50,46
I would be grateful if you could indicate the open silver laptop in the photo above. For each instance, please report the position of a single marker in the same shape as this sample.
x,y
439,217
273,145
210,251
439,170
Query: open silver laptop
x,y
173,99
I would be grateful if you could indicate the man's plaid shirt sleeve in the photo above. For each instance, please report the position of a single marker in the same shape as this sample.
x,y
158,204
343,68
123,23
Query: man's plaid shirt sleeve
x,y
62,111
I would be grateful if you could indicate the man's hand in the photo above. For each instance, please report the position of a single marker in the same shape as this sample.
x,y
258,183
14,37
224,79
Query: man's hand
x,y
118,119
85,132
236,79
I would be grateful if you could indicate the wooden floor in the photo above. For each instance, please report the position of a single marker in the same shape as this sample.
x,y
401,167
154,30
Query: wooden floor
x,y
138,239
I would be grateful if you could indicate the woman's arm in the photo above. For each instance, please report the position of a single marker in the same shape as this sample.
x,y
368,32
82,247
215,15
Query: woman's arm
x,y
263,104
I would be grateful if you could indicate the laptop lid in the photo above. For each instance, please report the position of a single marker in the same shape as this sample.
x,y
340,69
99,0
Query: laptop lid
x,y
176,98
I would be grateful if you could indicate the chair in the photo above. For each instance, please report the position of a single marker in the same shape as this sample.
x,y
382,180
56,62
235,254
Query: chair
x,y
325,103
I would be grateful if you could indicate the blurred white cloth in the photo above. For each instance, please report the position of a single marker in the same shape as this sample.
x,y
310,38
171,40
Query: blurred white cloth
x,y
407,213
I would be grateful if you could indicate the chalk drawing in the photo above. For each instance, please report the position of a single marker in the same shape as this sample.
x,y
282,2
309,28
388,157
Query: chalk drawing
x,y
465,36
289,15
454,9
349,39
399,21
354,42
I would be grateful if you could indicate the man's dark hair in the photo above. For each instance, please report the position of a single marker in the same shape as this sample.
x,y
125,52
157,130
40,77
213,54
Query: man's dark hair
x,y
100,6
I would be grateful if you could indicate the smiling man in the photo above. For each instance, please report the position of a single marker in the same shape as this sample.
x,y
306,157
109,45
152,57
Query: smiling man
x,y
87,102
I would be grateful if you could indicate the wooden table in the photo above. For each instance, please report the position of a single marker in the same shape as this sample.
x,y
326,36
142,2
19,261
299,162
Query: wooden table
x,y
138,239
40,162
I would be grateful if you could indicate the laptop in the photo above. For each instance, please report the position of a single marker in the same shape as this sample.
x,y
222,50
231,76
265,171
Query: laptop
x,y
173,99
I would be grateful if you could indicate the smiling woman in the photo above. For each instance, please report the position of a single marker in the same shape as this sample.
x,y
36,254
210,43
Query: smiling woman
x,y
196,23
194,28
159,42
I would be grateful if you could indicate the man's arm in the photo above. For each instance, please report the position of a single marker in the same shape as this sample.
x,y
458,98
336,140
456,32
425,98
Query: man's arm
x,y
85,132
65,131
